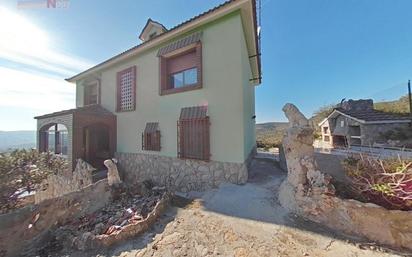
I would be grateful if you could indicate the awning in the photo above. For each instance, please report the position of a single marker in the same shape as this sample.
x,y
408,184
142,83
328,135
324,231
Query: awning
x,y
191,39
151,127
194,112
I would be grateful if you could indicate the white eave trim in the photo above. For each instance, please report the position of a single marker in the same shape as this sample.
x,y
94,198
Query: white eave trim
x,y
363,121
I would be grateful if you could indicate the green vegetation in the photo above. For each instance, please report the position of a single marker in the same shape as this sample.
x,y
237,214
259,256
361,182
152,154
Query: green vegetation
x,y
269,135
21,171
387,183
398,106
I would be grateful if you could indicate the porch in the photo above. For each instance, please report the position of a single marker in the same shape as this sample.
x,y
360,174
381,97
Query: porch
x,y
87,132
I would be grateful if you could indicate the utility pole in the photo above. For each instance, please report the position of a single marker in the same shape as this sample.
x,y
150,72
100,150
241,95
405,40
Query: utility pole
x,y
410,98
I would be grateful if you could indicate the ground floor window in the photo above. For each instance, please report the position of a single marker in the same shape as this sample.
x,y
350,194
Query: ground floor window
x,y
193,133
54,139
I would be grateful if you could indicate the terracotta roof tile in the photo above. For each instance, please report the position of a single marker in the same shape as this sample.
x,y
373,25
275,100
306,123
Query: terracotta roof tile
x,y
92,110
374,115
194,112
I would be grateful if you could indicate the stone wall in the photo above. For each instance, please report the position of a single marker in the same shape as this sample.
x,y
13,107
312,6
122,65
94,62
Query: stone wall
x,y
309,193
371,132
67,182
30,225
179,174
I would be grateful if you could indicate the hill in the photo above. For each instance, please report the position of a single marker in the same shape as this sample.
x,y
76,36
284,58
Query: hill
x,y
398,106
17,139
270,134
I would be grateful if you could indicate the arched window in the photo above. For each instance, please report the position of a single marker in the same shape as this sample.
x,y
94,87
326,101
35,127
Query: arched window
x,y
54,138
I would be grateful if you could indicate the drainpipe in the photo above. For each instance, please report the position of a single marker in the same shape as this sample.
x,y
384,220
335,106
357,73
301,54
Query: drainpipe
x,y
410,100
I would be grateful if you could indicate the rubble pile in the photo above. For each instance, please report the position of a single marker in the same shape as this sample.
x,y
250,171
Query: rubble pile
x,y
126,209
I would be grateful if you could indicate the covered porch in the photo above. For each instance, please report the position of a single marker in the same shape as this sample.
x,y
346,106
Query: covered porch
x,y
87,132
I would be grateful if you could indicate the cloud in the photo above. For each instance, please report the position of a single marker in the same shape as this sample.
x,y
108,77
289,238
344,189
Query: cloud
x,y
32,72
22,89
24,42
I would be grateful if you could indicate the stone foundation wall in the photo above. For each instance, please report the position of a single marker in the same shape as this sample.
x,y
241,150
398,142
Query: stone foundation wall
x,y
66,182
179,174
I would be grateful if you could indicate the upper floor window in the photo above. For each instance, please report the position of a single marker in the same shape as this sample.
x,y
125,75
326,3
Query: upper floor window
x,y
91,94
181,70
126,90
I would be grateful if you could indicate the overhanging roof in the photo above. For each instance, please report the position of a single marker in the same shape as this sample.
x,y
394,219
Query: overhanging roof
x,y
95,110
369,116
249,20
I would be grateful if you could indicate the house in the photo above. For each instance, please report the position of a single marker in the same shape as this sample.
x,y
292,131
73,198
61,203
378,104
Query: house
x,y
357,123
177,108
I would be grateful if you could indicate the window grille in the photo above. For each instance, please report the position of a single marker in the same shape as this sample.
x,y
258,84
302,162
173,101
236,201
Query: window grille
x,y
126,87
151,137
193,130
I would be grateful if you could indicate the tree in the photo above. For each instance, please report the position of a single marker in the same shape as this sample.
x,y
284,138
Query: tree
x,y
22,171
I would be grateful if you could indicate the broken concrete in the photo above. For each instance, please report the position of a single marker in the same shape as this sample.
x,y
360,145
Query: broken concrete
x,y
20,228
309,193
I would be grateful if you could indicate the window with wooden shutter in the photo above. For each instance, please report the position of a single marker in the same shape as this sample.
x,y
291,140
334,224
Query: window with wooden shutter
x,y
91,94
180,64
126,90
193,133
151,137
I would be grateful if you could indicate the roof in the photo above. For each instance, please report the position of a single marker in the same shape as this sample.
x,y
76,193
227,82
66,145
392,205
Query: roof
x,y
191,39
151,127
150,21
168,32
194,112
369,116
91,110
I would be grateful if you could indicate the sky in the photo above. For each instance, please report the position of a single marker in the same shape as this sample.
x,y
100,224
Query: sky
x,y
314,53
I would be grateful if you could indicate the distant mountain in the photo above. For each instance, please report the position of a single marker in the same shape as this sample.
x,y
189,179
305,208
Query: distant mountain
x,y
270,134
17,139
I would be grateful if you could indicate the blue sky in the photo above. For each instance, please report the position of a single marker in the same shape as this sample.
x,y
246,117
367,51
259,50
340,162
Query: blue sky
x,y
313,52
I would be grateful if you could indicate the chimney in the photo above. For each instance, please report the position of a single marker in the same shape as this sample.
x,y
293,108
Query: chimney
x,y
357,105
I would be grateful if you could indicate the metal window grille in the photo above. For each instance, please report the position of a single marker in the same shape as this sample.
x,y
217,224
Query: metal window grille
x,y
193,134
151,137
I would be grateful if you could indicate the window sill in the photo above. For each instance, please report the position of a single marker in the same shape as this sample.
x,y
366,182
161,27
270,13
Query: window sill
x,y
180,90
126,110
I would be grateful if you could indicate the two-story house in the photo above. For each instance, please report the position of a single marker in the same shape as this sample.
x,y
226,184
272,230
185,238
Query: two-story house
x,y
179,108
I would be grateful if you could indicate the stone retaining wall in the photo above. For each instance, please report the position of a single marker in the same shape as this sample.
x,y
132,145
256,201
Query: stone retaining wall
x,y
61,184
179,174
16,233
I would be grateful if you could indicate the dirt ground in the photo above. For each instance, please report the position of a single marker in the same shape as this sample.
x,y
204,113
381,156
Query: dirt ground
x,y
239,221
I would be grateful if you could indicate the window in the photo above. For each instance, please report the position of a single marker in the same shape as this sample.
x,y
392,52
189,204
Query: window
x,y
184,78
126,90
54,138
342,123
326,138
151,137
91,94
325,130
181,70
193,133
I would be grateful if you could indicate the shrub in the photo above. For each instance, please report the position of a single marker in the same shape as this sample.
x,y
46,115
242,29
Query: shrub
x,y
22,170
387,183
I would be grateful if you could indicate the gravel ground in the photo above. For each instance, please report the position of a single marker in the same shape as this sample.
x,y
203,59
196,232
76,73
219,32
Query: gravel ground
x,y
240,221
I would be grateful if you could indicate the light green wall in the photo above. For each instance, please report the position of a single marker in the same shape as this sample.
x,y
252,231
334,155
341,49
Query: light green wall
x,y
226,90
